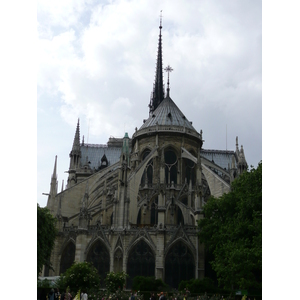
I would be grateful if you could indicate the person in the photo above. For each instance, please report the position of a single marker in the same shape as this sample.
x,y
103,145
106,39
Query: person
x,y
132,297
56,294
153,297
162,296
68,296
62,296
84,296
51,295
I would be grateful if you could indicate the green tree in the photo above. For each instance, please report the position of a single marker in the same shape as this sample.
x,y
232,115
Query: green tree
x,y
46,234
80,276
232,232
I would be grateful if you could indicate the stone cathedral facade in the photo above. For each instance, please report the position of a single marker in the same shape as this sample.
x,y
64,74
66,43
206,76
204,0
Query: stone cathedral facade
x,y
133,204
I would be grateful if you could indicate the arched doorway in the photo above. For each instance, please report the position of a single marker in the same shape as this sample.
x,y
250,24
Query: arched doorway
x,y
98,255
141,262
67,257
179,264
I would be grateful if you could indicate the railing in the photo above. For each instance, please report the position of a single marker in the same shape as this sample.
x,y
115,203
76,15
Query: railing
x,y
168,186
133,227
160,128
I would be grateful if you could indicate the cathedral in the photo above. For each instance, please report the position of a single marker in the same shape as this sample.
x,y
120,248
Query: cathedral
x,y
133,204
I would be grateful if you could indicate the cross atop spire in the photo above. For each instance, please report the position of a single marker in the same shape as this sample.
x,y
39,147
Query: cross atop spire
x,y
158,90
160,27
168,69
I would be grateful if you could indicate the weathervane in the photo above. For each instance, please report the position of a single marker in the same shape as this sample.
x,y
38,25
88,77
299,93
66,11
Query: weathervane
x,y
168,69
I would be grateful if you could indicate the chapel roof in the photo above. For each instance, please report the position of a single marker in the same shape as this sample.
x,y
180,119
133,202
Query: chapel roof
x,y
222,158
94,153
168,114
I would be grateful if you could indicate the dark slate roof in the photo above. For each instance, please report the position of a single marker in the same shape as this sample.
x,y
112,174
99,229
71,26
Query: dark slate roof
x,y
220,157
167,113
96,152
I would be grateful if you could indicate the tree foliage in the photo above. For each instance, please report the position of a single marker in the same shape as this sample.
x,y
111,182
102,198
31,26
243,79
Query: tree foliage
x,y
46,234
80,276
232,232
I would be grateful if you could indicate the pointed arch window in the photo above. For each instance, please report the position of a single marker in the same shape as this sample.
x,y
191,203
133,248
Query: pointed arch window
x,y
98,255
112,219
147,177
67,257
138,221
179,264
118,261
190,171
104,162
171,167
141,262
175,215
154,212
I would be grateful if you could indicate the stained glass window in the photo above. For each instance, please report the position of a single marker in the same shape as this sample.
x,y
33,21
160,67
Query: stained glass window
x,y
99,256
179,264
67,258
141,262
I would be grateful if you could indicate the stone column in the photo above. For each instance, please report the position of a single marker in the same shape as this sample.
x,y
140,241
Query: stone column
x,y
81,242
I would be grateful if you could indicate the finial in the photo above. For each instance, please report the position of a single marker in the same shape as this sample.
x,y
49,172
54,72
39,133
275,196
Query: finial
x,y
168,69
160,26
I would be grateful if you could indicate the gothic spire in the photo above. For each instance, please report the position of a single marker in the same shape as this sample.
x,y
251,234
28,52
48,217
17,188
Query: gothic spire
x,y
76,142
53,183
158,90
75,153
54,175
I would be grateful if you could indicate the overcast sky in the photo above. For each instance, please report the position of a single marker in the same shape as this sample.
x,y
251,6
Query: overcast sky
x,y
97,59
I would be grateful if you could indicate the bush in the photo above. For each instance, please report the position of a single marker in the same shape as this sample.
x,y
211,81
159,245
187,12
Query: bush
x,y
150,284
97,294
115,281
80,276
196,286
147,285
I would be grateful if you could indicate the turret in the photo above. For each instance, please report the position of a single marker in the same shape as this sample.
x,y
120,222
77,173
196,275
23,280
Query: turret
x,y
121,210
237,146
124,159
233,169
242,163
